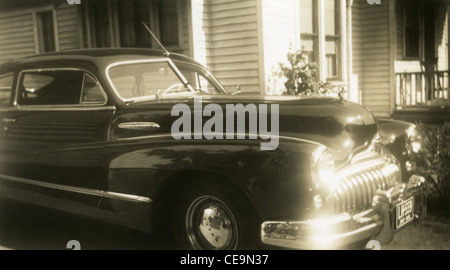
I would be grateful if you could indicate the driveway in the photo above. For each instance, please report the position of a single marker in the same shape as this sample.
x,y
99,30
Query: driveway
x,y
430,234
33,228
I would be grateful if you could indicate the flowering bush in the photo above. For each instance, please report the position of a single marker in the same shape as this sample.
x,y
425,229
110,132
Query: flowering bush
x,y
303,77
300,76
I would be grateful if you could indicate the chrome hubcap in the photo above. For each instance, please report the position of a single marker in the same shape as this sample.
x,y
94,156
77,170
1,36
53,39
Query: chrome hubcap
x,y
210,224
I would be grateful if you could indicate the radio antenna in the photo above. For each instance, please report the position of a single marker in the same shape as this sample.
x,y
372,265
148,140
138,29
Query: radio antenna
x,y
166,52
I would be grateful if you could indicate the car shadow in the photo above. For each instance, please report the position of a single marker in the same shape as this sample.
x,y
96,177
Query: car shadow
x,y
27,227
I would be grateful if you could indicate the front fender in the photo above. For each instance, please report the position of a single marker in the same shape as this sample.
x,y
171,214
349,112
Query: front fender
x,y
272,180
394,137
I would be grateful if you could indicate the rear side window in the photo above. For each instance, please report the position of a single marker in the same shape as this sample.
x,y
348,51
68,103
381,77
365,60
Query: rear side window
x,y
59,87
6,85
92,92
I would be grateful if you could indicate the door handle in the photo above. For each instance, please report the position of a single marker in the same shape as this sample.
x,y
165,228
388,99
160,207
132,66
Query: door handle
x,y
139,125
8,120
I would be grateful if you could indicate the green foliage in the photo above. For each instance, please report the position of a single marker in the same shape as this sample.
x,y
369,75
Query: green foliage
x,y
303,76
434,160
300,76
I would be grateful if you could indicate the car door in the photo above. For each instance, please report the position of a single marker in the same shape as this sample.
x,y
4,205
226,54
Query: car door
x,y
52,137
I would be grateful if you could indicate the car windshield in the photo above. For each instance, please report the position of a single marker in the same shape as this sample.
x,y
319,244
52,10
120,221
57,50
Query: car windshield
x,y
143,80
200,78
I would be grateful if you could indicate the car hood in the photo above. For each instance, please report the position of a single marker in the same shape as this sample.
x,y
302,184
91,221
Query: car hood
x,y
343,127
340,125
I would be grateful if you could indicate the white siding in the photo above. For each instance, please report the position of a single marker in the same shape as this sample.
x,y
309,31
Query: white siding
x,y
16,36
69,27
233,43
371,55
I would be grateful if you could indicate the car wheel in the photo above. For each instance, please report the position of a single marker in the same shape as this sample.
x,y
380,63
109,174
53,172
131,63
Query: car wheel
x,y
211,217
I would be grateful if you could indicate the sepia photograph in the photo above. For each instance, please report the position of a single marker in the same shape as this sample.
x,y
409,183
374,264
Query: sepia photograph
x,y
237,125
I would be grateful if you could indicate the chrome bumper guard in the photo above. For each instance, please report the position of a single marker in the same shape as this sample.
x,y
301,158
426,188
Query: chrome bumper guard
x,y
378,222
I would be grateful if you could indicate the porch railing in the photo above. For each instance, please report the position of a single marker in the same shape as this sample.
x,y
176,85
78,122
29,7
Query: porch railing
x,y
422,89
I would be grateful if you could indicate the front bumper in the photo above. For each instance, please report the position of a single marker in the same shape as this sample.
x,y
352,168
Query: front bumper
x,y
379,222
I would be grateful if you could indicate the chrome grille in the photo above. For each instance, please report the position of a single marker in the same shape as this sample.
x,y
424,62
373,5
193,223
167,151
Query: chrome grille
x,y
354,192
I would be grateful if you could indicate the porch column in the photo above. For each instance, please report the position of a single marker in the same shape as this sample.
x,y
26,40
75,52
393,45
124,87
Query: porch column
x,y
392,55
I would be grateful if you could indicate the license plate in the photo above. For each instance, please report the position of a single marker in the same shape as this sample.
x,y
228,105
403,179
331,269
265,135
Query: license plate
x,y
404,212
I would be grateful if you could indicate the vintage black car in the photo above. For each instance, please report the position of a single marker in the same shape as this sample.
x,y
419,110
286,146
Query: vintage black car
x,y
91,132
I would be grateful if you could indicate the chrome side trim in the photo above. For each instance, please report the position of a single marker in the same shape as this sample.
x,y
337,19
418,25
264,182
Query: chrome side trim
x,y
64,108
80,190
139,125
169,135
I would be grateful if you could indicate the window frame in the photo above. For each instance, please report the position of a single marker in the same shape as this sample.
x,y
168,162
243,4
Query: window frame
x,y
39,32
421,34
114,27
337,38
79,105
42,31
11,94
89,26
314,36
321,38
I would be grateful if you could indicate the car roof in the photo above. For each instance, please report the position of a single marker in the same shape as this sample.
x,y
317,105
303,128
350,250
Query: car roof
x,y
99,57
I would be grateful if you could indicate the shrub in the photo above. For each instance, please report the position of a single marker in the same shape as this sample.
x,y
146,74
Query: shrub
x,y
303,77
300,76
434,160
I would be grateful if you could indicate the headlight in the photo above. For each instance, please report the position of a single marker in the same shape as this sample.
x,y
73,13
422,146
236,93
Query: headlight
x,y
414,140
322,167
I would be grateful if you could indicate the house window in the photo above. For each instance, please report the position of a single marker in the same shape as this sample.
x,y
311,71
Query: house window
x,y
168,22
131,30
321,34
309,29
99,21
119,23
411,16
46,31
332,37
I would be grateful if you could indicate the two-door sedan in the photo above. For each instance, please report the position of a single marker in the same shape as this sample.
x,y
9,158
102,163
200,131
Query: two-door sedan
x,y
91,132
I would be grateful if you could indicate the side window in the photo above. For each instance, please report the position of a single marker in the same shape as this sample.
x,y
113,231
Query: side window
x,y
59,87
6,83
92,91
56,87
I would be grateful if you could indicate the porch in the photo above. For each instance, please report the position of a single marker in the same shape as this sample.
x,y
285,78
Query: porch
x,y
422,97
